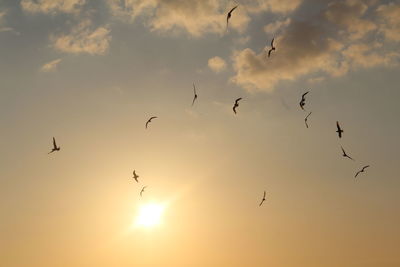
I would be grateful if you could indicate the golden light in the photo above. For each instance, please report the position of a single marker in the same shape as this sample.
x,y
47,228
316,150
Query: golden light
x,y
149,215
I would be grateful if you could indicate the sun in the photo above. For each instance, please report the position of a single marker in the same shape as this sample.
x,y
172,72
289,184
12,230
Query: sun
x,y
149,215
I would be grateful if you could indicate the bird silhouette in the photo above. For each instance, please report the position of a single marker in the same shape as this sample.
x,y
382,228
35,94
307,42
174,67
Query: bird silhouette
x,y
272,47
55,147
135,176
360,171
229,16
345,154
141,191
303,100
263,199
195,94
236,104
339,130
305,120
149,120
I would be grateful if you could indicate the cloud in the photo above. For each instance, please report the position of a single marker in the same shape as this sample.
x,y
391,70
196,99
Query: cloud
x,y
195,17
348,16
276,26
390,25
330,44
52,6
3,27
83,39
50,66
217,64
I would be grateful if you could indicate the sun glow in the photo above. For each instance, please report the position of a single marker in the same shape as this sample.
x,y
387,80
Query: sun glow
x,y
149,215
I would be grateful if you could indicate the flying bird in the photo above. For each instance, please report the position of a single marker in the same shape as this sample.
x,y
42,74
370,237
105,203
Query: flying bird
x,y
305,120
360,171
263,199
195,94
55,147
141,191
339,130
135,176
272,47
236,104
303,100
150,120
345,154
229,16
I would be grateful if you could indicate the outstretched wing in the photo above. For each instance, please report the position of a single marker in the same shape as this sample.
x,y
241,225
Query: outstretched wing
x,y
304,94
272,42
54,143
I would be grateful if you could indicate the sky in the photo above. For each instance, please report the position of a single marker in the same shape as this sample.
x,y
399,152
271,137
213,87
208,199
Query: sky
x,y
90,73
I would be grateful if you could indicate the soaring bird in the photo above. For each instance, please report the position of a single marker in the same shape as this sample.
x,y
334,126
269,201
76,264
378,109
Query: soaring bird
x,y
263,199
236,104
345,154
303,100
339,130
229,16
150,120
272,47
141,191
195,94
135,176
305,120
360,171
55,147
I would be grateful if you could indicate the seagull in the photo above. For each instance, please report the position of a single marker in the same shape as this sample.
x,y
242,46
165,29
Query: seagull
x,y
339,130
360,171
229,16
263,199
303,100
272,47
345,155
141,192
236,104
55,147
195,94
305,120
150,120
135,176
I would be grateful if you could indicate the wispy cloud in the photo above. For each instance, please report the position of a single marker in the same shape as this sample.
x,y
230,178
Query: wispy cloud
x,y
83,39
3,27
50,66
52,6
217,64
195,17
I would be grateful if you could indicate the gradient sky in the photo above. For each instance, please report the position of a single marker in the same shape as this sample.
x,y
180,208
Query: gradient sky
x,y
91,73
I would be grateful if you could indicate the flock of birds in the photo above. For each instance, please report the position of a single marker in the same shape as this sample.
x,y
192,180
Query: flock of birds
x,y
302,103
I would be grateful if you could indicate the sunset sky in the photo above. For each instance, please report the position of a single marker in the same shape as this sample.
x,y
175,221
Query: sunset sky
x,y
91,73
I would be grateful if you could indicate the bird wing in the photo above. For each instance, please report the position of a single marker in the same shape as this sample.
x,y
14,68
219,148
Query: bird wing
x,y
54,143
303,95
365,167
272,42
194,89
232,10
264,194
357,174
269,52
237,100
344,152
338,126
234,108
